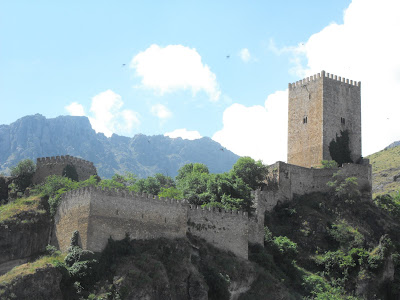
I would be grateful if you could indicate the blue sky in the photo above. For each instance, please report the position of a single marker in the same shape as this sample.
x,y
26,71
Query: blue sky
x,y
197,68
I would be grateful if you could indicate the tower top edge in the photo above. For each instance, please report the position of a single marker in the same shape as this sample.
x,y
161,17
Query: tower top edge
x,y
320,75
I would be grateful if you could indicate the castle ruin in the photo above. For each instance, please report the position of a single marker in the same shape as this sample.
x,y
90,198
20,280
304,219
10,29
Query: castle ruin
x,y
320,108
46,166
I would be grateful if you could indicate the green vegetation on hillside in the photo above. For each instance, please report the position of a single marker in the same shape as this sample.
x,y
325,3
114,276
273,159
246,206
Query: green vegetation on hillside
x,y
318,246
385,171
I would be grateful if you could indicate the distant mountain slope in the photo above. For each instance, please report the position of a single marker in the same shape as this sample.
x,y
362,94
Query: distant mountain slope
x,y
35,136
394,144
386,170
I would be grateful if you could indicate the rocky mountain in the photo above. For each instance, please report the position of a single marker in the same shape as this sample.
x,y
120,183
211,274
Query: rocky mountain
x,y
36,136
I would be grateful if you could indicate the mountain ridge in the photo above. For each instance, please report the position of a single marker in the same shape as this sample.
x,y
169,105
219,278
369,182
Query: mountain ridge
x,y
36,136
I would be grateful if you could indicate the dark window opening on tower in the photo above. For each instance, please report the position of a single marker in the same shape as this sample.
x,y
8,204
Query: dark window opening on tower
x,y
305,120
309,96
343,121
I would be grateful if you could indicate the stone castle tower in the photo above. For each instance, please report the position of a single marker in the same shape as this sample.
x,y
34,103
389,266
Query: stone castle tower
x,y
320,107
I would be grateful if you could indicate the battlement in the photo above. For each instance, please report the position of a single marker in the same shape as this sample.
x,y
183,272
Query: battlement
x,y
63,159
121,193
323,74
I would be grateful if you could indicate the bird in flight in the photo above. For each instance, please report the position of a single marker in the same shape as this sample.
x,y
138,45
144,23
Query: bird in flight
x,y
123,65
228,56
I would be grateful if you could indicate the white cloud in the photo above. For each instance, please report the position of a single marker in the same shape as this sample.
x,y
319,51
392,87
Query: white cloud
x,y
184,134
257,131
161,111
106,115
245,55
75,109
364,48
175,67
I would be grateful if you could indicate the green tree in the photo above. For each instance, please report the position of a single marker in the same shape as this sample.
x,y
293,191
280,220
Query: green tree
x,y
23,173
252,172
192,182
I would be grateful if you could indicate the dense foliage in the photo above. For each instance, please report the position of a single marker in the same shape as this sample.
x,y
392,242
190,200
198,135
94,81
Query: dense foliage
x,y
23,173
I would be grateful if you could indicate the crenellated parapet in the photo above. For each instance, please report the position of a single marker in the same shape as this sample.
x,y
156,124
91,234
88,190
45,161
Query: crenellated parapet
x,y
321,75
46,166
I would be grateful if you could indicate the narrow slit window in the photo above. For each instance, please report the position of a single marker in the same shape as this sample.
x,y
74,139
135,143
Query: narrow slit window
x,y
343,121
305,120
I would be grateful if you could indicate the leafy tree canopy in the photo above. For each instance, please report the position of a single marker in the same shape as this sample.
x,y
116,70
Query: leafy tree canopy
x,y
23,173
250,171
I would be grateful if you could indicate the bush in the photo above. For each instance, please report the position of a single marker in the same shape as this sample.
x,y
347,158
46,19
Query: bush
x,y
347,236
329,164
287,249
23,173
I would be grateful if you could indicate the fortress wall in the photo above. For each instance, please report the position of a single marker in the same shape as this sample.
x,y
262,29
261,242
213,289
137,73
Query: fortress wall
x,y
46,166
114,213
284,181
256,221
72,214
225,230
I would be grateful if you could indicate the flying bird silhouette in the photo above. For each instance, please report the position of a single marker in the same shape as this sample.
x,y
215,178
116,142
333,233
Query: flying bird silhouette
x,y
228,56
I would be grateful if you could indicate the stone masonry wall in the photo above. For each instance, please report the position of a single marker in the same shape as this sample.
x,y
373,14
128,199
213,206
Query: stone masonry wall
x,y
47,166
72,214
227,230
285,181
115,213
305,121
100,214
342,101
320,106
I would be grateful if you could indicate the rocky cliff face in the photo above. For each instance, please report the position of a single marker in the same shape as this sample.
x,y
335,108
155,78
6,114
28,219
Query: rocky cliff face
x,y
35,136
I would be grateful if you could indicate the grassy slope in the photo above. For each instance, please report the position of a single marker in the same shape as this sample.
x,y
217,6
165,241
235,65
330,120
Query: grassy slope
x,y
21,210
385,165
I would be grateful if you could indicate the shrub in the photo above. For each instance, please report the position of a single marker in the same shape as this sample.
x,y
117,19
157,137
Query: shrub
x,y
329,164
286,247
347,236
23,173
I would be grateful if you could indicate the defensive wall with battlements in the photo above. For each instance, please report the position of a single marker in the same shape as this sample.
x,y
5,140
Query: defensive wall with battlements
x,y
46,166
100,214
285,181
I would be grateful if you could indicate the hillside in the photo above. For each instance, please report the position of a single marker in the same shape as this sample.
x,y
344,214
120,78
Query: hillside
x,y
35,136
385,170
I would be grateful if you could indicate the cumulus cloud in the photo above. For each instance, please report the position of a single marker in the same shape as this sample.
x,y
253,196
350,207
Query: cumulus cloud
x,y
75,109
175,67
364,48
257,131
106,114
161,111
108,117
245,55
184,134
